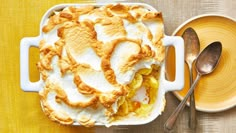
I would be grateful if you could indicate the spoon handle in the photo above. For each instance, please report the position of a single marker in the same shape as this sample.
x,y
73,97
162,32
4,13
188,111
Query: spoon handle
x,y
173,117
192,113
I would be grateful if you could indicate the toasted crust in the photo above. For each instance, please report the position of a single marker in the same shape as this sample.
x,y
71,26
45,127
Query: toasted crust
x,y
54,115
113,26
121,11
86,121
77,37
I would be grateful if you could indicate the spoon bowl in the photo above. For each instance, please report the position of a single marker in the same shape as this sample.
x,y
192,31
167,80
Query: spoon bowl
x,y
192,45
209,58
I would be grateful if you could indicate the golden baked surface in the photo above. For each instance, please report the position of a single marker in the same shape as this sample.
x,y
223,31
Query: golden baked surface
x,y
94,51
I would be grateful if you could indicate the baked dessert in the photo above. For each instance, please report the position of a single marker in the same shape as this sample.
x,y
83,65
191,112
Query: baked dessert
x,y
100,64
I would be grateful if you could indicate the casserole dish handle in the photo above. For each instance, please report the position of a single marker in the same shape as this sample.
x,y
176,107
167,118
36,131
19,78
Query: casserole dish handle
x,y
25,83
178,43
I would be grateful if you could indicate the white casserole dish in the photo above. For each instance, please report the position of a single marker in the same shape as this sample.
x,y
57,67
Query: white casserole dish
x,y
164,85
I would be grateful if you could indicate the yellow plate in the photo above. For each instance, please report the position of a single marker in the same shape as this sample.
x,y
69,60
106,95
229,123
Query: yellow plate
x,y
217,91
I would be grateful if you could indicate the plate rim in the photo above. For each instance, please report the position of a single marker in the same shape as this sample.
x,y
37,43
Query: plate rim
x,y
176,94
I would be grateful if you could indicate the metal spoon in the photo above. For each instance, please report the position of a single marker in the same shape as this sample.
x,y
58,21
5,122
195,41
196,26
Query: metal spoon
x,y
192,48
205,64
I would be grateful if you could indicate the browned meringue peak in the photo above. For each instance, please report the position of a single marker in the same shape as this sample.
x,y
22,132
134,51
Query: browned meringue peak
x,y
137,11
80,41
90,81
67,14
86,121
109,28
121,11
124,52
95,79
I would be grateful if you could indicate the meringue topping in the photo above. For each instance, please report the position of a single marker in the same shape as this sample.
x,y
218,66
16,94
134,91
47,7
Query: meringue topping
x,y
89,59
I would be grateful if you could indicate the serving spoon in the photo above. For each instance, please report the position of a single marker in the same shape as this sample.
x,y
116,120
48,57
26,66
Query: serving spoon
x,y
205,64
192,48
